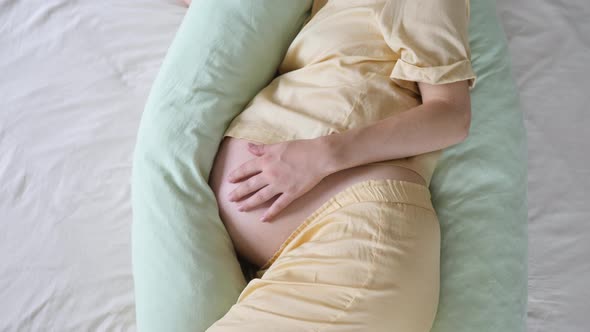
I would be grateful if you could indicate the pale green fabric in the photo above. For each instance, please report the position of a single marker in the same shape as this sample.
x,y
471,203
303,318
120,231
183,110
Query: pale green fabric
x,y
479,190
185,271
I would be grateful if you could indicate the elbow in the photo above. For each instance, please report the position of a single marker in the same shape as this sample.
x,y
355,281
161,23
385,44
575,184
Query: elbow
x,y
460,113
465,120
464,135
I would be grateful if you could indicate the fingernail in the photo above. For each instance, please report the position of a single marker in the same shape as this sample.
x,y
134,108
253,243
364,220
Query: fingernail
x,y
263,219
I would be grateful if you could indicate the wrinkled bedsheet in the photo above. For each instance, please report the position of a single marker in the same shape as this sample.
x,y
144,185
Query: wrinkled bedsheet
x,y
75,78
550,47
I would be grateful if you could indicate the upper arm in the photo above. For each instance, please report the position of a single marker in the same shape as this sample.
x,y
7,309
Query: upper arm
x,y
455,97
430,38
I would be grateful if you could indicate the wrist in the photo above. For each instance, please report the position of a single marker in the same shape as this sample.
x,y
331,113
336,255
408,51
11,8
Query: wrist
x,y
329,154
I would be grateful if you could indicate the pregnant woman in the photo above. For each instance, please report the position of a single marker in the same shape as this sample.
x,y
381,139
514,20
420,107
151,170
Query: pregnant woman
x,y
337,154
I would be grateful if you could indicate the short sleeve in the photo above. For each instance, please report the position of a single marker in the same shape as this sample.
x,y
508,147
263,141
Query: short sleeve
x,y
431,39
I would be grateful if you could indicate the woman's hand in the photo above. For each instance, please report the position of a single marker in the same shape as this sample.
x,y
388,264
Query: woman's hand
x,y
288,169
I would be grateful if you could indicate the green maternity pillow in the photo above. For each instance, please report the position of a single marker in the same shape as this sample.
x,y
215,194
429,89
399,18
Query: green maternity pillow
x,y
479,190
186,273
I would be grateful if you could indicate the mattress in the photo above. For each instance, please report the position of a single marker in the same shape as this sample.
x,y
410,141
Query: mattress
x,y
75,78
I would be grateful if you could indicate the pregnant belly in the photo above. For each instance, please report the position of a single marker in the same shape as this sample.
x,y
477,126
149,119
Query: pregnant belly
x,y
257,241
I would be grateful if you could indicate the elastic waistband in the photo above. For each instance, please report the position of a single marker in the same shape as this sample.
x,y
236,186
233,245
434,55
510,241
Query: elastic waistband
x,y
376,190
381,190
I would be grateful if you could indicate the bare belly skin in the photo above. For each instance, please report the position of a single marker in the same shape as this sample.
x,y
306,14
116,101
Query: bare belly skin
x,y
257,241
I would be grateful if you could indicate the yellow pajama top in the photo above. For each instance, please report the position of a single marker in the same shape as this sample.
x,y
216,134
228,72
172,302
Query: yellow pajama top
x,y
356,62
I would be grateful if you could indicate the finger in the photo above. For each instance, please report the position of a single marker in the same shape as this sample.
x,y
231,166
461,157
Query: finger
x,y
277,206
252,184
248,168
260,197
256,149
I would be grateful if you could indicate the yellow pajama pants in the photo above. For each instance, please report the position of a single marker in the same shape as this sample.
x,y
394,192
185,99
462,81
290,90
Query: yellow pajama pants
x,y
366,260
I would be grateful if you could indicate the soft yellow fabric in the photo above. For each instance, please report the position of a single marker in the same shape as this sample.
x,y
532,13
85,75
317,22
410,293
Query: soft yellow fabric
x,y
366,260
356,62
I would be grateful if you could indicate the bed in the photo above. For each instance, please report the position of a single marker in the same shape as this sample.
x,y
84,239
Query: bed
x,y
550,46
75,77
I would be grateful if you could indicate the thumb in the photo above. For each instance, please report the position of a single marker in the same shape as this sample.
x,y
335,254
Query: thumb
x,y
256,149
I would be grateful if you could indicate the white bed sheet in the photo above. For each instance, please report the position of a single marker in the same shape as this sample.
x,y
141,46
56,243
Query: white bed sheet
x,y
550,47
75,76
74,80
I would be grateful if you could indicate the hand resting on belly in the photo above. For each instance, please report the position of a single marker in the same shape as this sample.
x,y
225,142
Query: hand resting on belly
x,y
257,241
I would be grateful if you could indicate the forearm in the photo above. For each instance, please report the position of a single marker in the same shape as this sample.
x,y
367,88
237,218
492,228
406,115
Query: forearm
x,y
422,129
